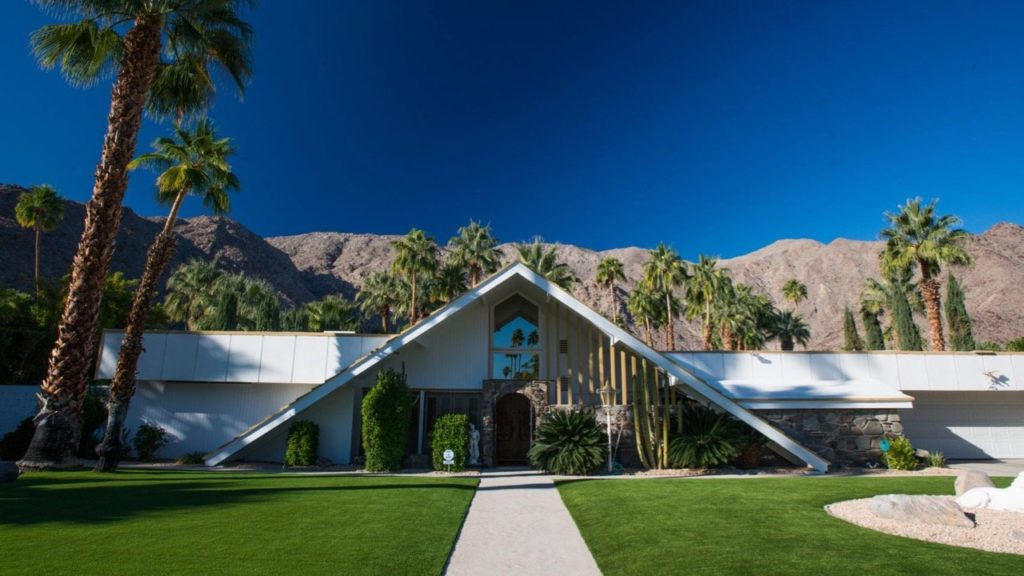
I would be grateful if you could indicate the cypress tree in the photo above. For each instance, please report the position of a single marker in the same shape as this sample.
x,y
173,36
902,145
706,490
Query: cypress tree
x,y
851,338
874,340
903,323
961,337
268,315
225,315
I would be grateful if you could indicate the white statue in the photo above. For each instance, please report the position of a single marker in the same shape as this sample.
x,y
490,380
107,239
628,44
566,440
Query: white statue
x,y
474,445
1010,499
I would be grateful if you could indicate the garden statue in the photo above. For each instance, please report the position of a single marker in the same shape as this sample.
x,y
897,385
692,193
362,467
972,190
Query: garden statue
x,y
474,445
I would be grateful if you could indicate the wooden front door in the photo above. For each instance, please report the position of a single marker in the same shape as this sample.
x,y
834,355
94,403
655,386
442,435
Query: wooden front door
x,y
513,420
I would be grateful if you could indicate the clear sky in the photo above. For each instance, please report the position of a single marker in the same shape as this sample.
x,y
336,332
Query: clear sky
x,y
717,127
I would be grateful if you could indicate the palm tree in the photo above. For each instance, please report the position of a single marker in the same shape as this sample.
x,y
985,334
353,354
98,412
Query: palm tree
x,y
41,209
189,291
663,273
416,254
544,261
123,37
705,286
789,328
449,281
379,295
475,249
609,270
900,296
794,291
916,237
647,307
333,312
191,162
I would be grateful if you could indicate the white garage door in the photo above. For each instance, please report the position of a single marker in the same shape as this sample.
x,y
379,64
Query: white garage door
x,y
969,425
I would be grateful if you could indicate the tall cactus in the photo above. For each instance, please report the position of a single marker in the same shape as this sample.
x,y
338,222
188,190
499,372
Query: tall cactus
x,y
651,416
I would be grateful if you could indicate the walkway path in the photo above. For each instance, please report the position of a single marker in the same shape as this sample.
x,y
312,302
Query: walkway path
x,y
517,524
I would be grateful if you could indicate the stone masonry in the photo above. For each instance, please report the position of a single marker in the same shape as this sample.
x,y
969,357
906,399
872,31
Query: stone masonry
x,y
844,437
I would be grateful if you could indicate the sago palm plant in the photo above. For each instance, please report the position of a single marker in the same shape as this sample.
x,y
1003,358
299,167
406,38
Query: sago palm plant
x,y
568,442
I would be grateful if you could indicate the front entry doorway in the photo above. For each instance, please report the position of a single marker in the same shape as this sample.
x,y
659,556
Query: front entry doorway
x,y
513,429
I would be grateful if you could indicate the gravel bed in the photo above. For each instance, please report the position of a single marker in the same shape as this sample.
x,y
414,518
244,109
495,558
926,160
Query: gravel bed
x,y
996,530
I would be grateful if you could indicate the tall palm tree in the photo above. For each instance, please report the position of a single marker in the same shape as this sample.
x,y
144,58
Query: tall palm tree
x,y
705,286
449,282
192,162
664,272
476,249
379,296
41,209
916,237
189,292
647,308
794,291
123,38
416,255
544,261
790,329
609,271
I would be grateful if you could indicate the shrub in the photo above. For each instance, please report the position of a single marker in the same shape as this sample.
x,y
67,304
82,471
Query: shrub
x,y
149,439
94,420
749,445
303,443
385,412
451,432
703,438
568,442
191,459
901,455
15,443
936,460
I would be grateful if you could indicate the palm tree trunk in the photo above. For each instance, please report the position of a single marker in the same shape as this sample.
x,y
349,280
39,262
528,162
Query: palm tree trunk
x,y
930,293
706,332
412,307
728,342
670,330
474,274
615,309
39,234
58,423
122,387
384,313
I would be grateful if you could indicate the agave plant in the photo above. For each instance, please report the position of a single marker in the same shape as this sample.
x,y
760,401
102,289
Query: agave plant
x,y
703,438
569,443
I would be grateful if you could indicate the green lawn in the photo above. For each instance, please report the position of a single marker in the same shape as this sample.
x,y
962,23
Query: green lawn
x,y
758,527
146,522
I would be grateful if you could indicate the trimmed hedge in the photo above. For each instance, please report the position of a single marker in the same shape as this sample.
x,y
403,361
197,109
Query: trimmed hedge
x,y
386,410
451,432
303,443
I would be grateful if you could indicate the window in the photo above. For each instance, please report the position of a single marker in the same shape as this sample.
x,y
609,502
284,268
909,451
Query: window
x,y
516,340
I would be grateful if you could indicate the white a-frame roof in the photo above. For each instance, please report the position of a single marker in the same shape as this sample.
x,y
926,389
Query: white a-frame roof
x,y
678,374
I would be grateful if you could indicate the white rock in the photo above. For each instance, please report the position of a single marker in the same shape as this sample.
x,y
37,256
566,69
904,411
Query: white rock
x,y
1009,499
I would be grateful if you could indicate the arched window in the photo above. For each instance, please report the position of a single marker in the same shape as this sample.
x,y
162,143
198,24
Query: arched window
x,y
516,340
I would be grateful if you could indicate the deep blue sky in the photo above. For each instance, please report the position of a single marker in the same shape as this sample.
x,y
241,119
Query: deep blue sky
x,y
715,126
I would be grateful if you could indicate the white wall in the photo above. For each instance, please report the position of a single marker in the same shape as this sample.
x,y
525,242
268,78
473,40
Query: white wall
x,y
240,356
201,416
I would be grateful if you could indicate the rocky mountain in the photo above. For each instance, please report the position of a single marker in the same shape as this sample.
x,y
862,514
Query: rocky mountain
x,y
309,266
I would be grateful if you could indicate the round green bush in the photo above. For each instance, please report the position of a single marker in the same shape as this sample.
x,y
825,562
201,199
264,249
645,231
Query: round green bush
x,y
451,432
386,410
901,455
303,443
570,443
148,440
703,438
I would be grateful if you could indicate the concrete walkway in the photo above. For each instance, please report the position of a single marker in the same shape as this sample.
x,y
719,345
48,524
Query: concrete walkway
x,y
517,524
990,467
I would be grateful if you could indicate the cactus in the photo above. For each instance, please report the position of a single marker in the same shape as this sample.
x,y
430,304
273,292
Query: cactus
x,y
652,399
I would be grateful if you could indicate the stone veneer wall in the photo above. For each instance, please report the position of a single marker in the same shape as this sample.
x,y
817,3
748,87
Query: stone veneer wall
x,y
844,437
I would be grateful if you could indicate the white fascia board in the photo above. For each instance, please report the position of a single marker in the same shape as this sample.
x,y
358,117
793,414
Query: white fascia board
x,y
821,405
671,367
359,367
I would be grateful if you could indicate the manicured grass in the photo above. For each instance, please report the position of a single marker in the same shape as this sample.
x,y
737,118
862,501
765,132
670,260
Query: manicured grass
x,y
758,526
148,522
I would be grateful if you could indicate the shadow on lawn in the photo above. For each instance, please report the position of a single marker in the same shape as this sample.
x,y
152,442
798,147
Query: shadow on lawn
x,y
100,499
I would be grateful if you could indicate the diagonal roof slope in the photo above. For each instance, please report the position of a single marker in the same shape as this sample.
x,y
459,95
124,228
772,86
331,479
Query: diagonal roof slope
x,y
679,375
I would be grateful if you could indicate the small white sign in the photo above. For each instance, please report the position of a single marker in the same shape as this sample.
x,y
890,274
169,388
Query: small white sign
x,y
449,458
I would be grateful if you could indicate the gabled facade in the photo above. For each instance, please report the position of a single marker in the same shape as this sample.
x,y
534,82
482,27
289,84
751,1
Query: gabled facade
x,y
505,353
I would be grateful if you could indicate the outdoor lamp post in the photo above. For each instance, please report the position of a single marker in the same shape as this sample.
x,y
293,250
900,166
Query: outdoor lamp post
x,y
607,399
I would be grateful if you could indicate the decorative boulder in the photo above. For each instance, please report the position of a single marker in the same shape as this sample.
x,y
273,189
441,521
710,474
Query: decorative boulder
x,y
933,510
9,472
970,480
1009,499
